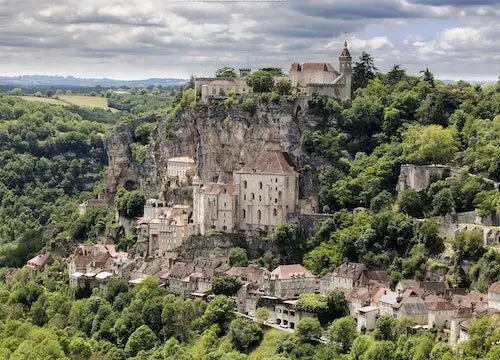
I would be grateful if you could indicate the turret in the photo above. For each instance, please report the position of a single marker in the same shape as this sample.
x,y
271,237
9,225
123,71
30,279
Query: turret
x,y
345,62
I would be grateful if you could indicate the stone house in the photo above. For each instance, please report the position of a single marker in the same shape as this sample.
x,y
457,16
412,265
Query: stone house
x,y
40,261
494,296
169,230
210,88
323,79
178,167
406,304
215,207
457,333
345,276
361,297
440,314
267,189
367,316
287,316
289,281
173,278
153,209
94,258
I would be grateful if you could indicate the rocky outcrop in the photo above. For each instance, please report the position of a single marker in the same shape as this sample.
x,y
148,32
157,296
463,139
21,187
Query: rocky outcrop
x,y
220,139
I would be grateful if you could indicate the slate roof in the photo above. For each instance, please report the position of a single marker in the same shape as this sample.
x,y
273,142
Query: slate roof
x,y
349,270
442,306
312,67
270,162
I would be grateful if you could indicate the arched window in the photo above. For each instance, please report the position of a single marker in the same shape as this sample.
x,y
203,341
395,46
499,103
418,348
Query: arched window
x,y
259,215
260,185
275,212
245,184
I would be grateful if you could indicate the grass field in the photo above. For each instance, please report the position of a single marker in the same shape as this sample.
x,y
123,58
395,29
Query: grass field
x,y
79,100
45,100
88,101
267,347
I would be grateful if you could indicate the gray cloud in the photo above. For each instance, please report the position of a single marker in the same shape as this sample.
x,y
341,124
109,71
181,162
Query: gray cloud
x,y
139,38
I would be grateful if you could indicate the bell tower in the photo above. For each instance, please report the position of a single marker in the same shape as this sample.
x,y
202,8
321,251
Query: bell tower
x,y
345,63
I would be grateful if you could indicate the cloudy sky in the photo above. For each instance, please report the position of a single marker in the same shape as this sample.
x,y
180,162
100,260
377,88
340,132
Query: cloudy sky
x,y
132,39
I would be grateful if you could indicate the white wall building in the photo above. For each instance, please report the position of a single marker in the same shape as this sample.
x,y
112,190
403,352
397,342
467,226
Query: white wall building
x,y
367,316
494,296
177,167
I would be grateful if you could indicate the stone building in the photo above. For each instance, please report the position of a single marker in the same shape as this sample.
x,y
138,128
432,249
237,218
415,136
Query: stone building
x,y
209,88
440,314
215,207
345,276
289,281
267,189
323,79
168,231
494,296
177,167
287,316
153,209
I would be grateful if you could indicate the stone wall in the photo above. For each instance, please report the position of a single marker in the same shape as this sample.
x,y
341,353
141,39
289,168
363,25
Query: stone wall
x,y
220,244
419,177
308,223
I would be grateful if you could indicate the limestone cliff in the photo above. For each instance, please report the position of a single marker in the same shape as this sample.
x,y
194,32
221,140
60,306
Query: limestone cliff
x,y
220,139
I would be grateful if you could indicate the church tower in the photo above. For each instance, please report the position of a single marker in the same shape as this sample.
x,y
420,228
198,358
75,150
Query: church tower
x,y
345,61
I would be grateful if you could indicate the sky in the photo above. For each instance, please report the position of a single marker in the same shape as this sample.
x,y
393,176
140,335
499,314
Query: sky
x,y
137,39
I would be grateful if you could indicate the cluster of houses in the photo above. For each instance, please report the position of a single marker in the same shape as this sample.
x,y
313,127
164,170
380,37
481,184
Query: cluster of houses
x,y
308,78
430,304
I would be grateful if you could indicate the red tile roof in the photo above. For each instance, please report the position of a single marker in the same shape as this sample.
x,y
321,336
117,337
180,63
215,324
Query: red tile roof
x,y
216,189
442,306
271,162
291,271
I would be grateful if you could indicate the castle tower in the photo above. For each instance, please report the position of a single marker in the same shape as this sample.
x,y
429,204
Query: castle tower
x,y
345,62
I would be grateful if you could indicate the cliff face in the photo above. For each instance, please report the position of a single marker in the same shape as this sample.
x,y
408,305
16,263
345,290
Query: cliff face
x,y
220,139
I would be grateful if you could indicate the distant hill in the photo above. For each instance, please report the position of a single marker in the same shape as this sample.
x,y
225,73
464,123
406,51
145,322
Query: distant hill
x,y
27,81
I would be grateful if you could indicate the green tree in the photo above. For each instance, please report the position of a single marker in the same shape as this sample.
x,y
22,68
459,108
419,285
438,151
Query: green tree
x,y
16,92
244,334
274,71
410,202
429,145
381,350
468,244
283,87
141,339
385,328
226,285
144,91
342,332
395,75
80,349
220,311
360,345
428,77
363,71
225,72
429,235
261,314
130,204
238,257
443,202
308,330
260,81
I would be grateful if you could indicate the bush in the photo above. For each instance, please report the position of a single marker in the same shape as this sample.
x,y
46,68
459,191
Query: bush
x,y
244,334
130,204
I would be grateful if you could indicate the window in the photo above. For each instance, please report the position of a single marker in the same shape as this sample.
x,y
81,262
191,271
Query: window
x,y
260,198
260,185
275,201
244,213
259,215
275,212
224,204
244,196
253,196
276,179
245,184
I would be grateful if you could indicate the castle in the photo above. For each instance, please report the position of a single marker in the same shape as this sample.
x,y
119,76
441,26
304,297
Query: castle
x,y
308,79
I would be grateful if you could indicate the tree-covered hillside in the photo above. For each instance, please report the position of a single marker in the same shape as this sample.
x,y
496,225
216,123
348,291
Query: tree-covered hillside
x,y
50,156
